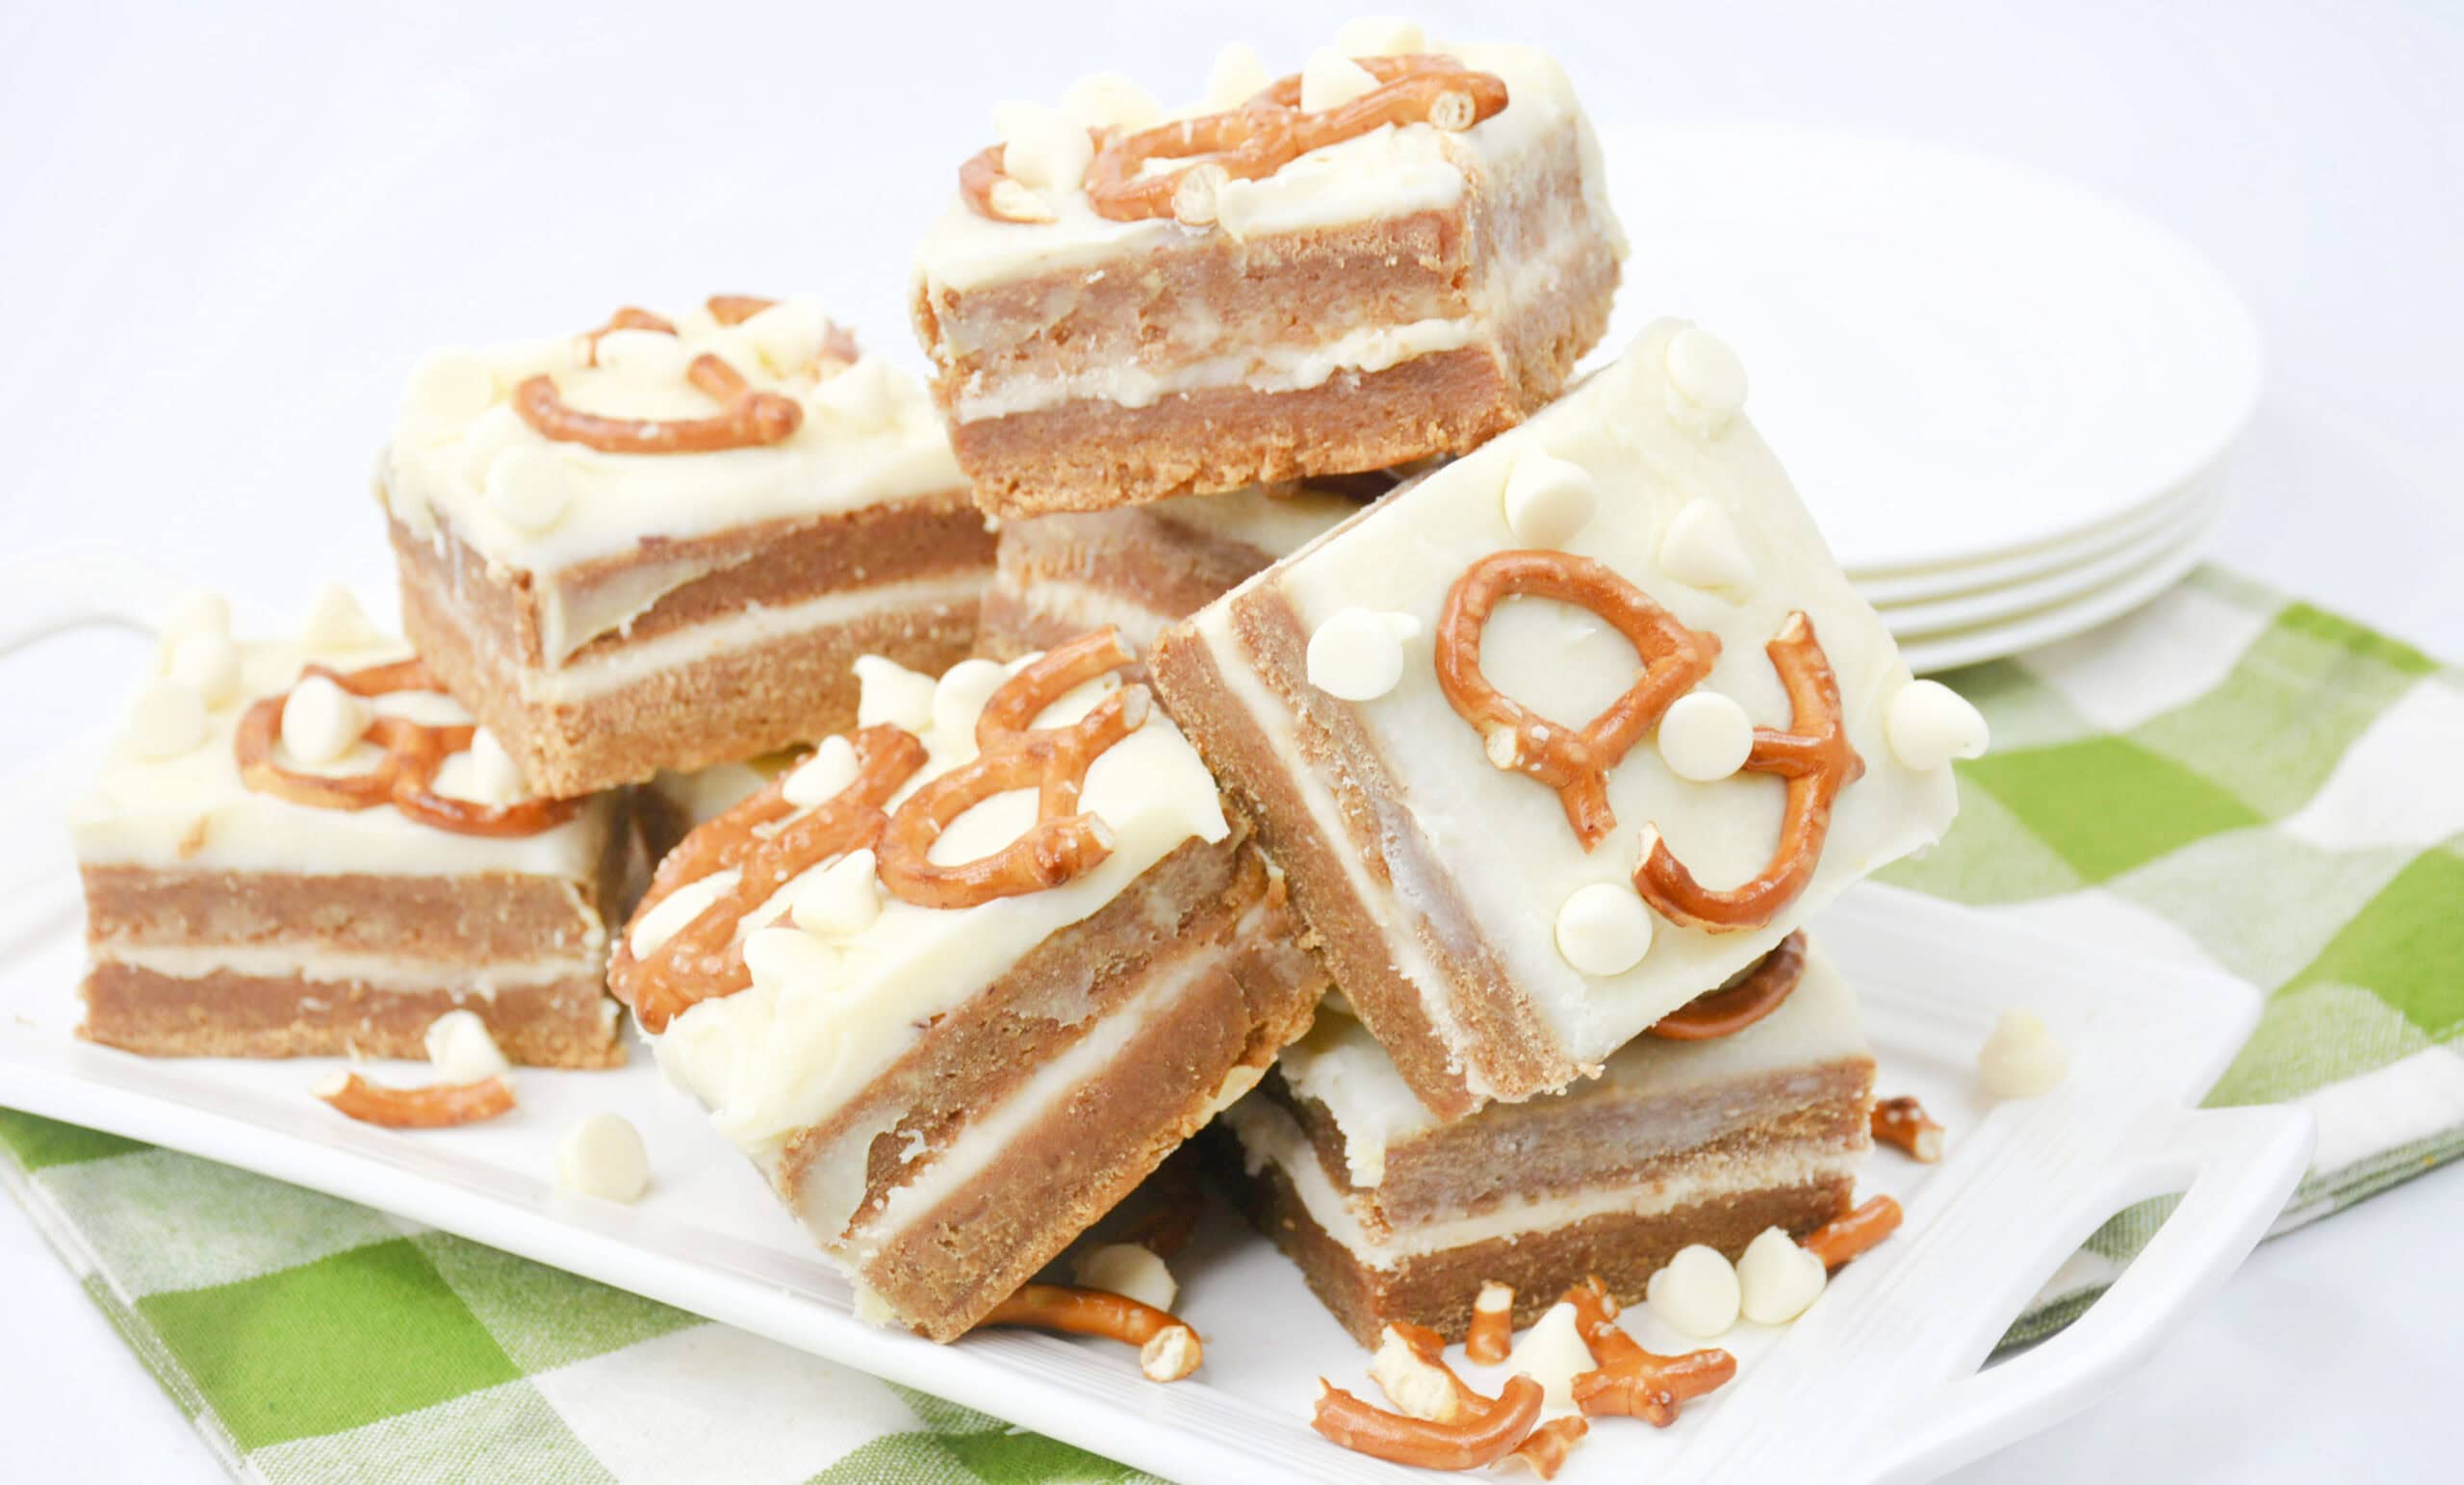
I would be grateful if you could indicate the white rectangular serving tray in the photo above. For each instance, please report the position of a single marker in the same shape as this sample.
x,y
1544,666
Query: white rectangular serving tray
x,y
1879,1381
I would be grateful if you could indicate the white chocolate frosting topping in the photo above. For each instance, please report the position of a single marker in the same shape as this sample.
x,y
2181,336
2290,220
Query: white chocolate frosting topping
x,y
169,793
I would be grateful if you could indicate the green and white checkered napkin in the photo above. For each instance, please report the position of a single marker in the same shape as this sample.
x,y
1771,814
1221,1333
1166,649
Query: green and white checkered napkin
x,y
2224,778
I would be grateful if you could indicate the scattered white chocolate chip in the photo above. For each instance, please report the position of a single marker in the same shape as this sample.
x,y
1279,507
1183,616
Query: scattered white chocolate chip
x,y
1416,1387
2022,1059
822,776
1604,929
1129,1270
860,396
496,779
1170,1354
1705,736
336,621
1381,35
1040,148
644,355
202,612
1237,76
674,913
602,1156
165,719
1777,1279
460,1049
1696,1292
491,434
788,336
1012,202
1329,80
887,691
321,721
1700,550
1552,1354
1107,100
839,900
1929,723
527,486
1706,375
208,664
778,958
959,698
449,387
1547,499
1357,656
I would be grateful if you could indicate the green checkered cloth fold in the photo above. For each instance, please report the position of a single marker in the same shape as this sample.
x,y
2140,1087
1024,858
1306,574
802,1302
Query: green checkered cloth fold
x,y
2224,778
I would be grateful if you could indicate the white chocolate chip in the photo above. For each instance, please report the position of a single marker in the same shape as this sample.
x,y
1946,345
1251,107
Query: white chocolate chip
x,y
321,722
202,612
1929,723
674,913
1040,148
781,957
1012,202
1237,76
496,779
1330,80
460,1049
1129,1270
1705,737
529,487
1696,1292
336,621
448,389
1604,929
1357,655
862,395
788,336
840,900
1547,499
1107,100
1381,35
960,696
165,720
645,355
1777,1279
1552,1354
207,663
602,1156
823,776
1703,372
495,431
1700,550
889,692
2022,1059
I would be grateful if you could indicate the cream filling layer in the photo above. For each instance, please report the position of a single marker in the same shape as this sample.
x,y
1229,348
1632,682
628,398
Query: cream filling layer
x,y
1089,608
1267,1135
747,629
406,973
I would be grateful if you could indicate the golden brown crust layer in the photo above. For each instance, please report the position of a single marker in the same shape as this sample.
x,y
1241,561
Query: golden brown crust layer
x,y
562,1023
474,920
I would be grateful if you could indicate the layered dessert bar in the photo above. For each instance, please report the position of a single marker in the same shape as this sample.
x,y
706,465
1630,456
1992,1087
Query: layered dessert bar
x,y
1398,1218
303,847
1567,730
1143,567
960,981
1399,251
660,544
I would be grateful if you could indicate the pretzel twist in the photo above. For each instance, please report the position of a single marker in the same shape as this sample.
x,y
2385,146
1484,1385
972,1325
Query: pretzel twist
x,y
767,842
1478,1439
1633,1382
1814,756
750,418
405,778
1053,760
1741,1002
1573,761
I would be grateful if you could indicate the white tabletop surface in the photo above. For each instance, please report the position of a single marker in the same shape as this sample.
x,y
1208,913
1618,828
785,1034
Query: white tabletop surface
x,y
225,234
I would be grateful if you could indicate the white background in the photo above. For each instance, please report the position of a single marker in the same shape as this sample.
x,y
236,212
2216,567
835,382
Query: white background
x,y
224,236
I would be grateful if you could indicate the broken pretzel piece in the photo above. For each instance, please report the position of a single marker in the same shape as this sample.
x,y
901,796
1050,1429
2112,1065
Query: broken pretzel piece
x,y
1633,1382
1762,989
1842,1238
1545,1451
1902,1123
1492,1333
1410,1368
1168,1349
437,1106
1481,1438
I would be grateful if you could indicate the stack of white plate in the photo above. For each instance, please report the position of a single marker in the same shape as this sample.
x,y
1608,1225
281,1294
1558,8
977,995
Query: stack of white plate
x,y
2009,401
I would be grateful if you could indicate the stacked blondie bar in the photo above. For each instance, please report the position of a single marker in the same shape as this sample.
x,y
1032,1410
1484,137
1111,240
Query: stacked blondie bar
x,y
1257,685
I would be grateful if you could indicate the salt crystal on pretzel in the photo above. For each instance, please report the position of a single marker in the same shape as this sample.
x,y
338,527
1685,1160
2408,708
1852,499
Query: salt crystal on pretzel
x,y
1526,731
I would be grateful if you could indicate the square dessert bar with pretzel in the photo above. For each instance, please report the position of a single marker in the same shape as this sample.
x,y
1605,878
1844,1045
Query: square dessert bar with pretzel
x,y
1749,1109
957,983
1569,729
1399,251
303,847
660,544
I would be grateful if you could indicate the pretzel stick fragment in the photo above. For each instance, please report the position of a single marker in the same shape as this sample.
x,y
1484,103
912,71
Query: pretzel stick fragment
x,y
437,1106
1764,987
1491,1334
1167,1348
1633,1382
1903,1124
1844,1238
1483,1438
1545,1450
1409,1366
